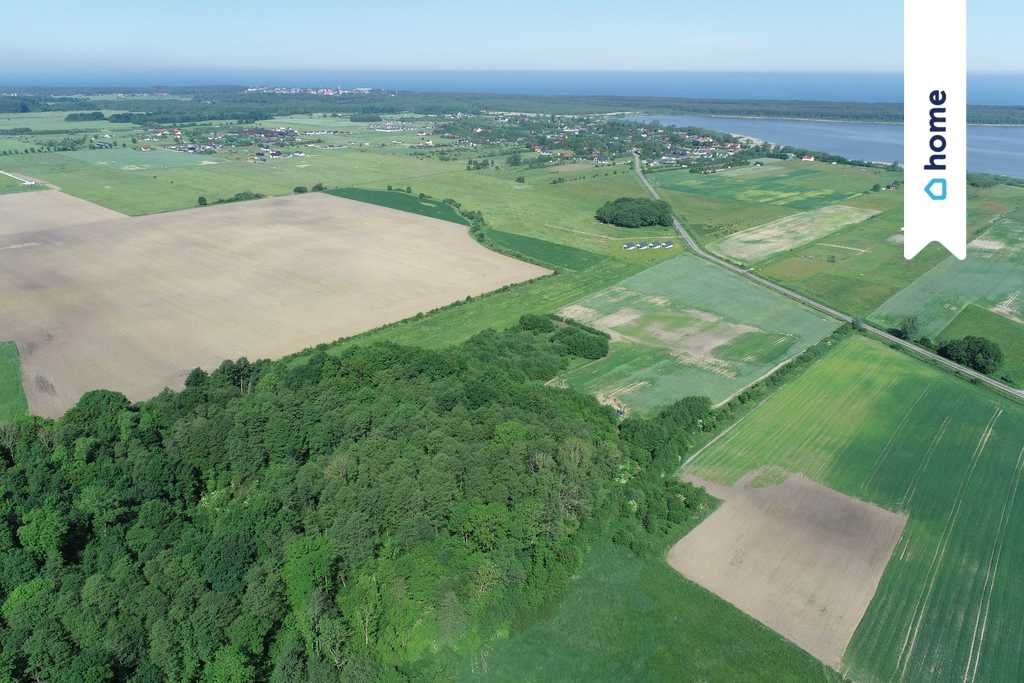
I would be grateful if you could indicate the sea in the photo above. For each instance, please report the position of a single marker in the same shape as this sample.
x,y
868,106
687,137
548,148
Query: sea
x,y
990,149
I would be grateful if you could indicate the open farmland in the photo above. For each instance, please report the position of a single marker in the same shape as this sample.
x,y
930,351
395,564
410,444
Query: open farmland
x,y
717,205
786,233
686,327
138,183
872,423
116,302
626,618
859,267
798,556
981,296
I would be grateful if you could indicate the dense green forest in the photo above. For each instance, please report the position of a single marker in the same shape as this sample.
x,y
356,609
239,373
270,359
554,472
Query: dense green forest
x,y
382,514
231,102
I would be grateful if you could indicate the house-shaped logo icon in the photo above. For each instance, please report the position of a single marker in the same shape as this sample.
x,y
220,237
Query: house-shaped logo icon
x,y
936,189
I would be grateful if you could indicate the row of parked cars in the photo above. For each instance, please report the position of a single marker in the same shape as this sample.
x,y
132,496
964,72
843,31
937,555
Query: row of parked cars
x,y
630,246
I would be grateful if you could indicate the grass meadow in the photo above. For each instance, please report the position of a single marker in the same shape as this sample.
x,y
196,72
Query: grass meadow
x,y
686,327
876,424
12,396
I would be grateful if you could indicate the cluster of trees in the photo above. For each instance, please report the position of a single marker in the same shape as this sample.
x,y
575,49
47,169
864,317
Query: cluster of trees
x,y
243,196
85,116
977,353
380,514
365,118
635,212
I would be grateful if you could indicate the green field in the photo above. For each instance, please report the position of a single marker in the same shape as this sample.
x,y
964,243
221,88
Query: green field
x,y
876,424
547,253
717,205
988,277
1009,334
54,121
12,397
859,267
784,234
625,618
686,327
551,254
9,184
402,201
794,184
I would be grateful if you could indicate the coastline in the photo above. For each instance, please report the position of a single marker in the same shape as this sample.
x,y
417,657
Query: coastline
x,y
813,120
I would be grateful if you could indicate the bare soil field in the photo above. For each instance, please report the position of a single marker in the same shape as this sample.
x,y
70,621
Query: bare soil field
x,y
786,233
97,300
26,212
801,558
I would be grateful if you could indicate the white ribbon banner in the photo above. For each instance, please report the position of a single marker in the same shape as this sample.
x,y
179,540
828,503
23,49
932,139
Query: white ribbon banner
x,y
935,126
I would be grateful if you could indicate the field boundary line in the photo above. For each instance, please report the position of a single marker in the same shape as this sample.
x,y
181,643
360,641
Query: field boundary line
x,y
728,429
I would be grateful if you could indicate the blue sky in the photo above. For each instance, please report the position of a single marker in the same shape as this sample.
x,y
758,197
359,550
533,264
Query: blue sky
x,y
675,35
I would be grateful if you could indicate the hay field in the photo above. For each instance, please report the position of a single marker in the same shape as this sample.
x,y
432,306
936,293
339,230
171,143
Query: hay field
x,y
686,327
875,424
134,304
797,556
787,233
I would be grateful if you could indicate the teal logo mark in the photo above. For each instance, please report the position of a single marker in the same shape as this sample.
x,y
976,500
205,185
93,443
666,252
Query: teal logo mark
x,y
936,189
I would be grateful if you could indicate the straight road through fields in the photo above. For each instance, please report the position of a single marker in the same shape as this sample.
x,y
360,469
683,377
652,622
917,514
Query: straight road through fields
x,y
920,351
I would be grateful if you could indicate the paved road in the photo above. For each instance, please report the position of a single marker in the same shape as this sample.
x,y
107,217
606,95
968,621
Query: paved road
x,y
828,310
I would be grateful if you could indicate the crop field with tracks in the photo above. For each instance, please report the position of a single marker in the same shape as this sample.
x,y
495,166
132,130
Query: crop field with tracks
x,y
874,424
686,327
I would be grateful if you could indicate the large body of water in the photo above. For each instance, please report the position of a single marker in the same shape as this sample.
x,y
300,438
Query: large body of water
x,y
990,149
